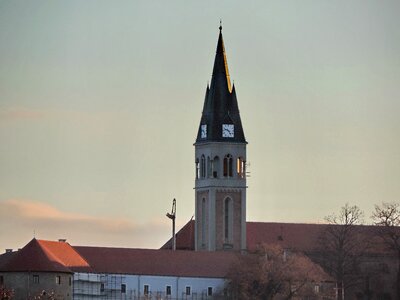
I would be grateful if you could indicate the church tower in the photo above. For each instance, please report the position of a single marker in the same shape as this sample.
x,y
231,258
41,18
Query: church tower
x,y
220,157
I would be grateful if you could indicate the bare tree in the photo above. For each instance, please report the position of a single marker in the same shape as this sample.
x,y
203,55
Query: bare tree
x,y
341,247
45,295
387,217
6,294
270,273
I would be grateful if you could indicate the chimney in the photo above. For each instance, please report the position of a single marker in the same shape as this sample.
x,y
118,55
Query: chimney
x,y
62,240
9,250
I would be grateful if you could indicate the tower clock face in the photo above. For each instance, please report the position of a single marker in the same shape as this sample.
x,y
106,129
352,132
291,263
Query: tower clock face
x,y
228,130
203,131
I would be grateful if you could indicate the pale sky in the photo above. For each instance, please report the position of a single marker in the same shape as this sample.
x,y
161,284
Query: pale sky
x,y
100,103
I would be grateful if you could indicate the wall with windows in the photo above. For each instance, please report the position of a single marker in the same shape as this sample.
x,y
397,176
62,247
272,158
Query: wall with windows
x,y
220,161
220,209
30,284
125,286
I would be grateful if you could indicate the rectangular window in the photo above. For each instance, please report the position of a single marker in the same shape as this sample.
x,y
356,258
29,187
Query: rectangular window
x,y
209,291
168,290
35,278
1,281
123,288
146,289
102,287
58,279
70,281
188,291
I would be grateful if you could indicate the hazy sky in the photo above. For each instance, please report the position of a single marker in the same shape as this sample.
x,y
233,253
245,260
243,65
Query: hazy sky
x,y
100,103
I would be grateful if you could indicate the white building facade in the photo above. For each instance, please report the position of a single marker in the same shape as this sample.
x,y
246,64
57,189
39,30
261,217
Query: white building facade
x,y
133,287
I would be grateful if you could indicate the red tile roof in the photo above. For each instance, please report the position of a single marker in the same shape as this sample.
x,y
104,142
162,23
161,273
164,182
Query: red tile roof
x,y
45,256
296,236
301,237
52,256
157,262
66,254
306,237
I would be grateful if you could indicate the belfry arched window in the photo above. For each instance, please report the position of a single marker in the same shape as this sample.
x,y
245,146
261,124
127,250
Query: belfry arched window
x,y
209,169
203,167
241,167
228,219
228,164
215,167
197,168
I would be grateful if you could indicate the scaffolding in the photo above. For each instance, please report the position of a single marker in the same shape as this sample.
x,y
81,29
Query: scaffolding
x,y
90,286
86,286
112,288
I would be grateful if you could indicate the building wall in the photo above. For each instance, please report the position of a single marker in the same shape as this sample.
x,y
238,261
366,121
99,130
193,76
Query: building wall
x,y
213,188
135,286
25,286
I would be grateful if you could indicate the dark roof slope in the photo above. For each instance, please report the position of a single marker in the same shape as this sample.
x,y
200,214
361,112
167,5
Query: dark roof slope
x,y
157,262
5,258
184,238
302,237
220,103
306,237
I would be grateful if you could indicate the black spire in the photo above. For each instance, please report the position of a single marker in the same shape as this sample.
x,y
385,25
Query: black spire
x,y
220,103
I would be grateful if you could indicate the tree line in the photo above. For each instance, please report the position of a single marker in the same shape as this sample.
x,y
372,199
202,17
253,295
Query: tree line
x,y
352,255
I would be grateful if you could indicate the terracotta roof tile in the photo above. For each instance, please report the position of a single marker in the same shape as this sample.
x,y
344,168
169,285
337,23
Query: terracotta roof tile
x,y
302,237
66,254
157,262
297,236
45,256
